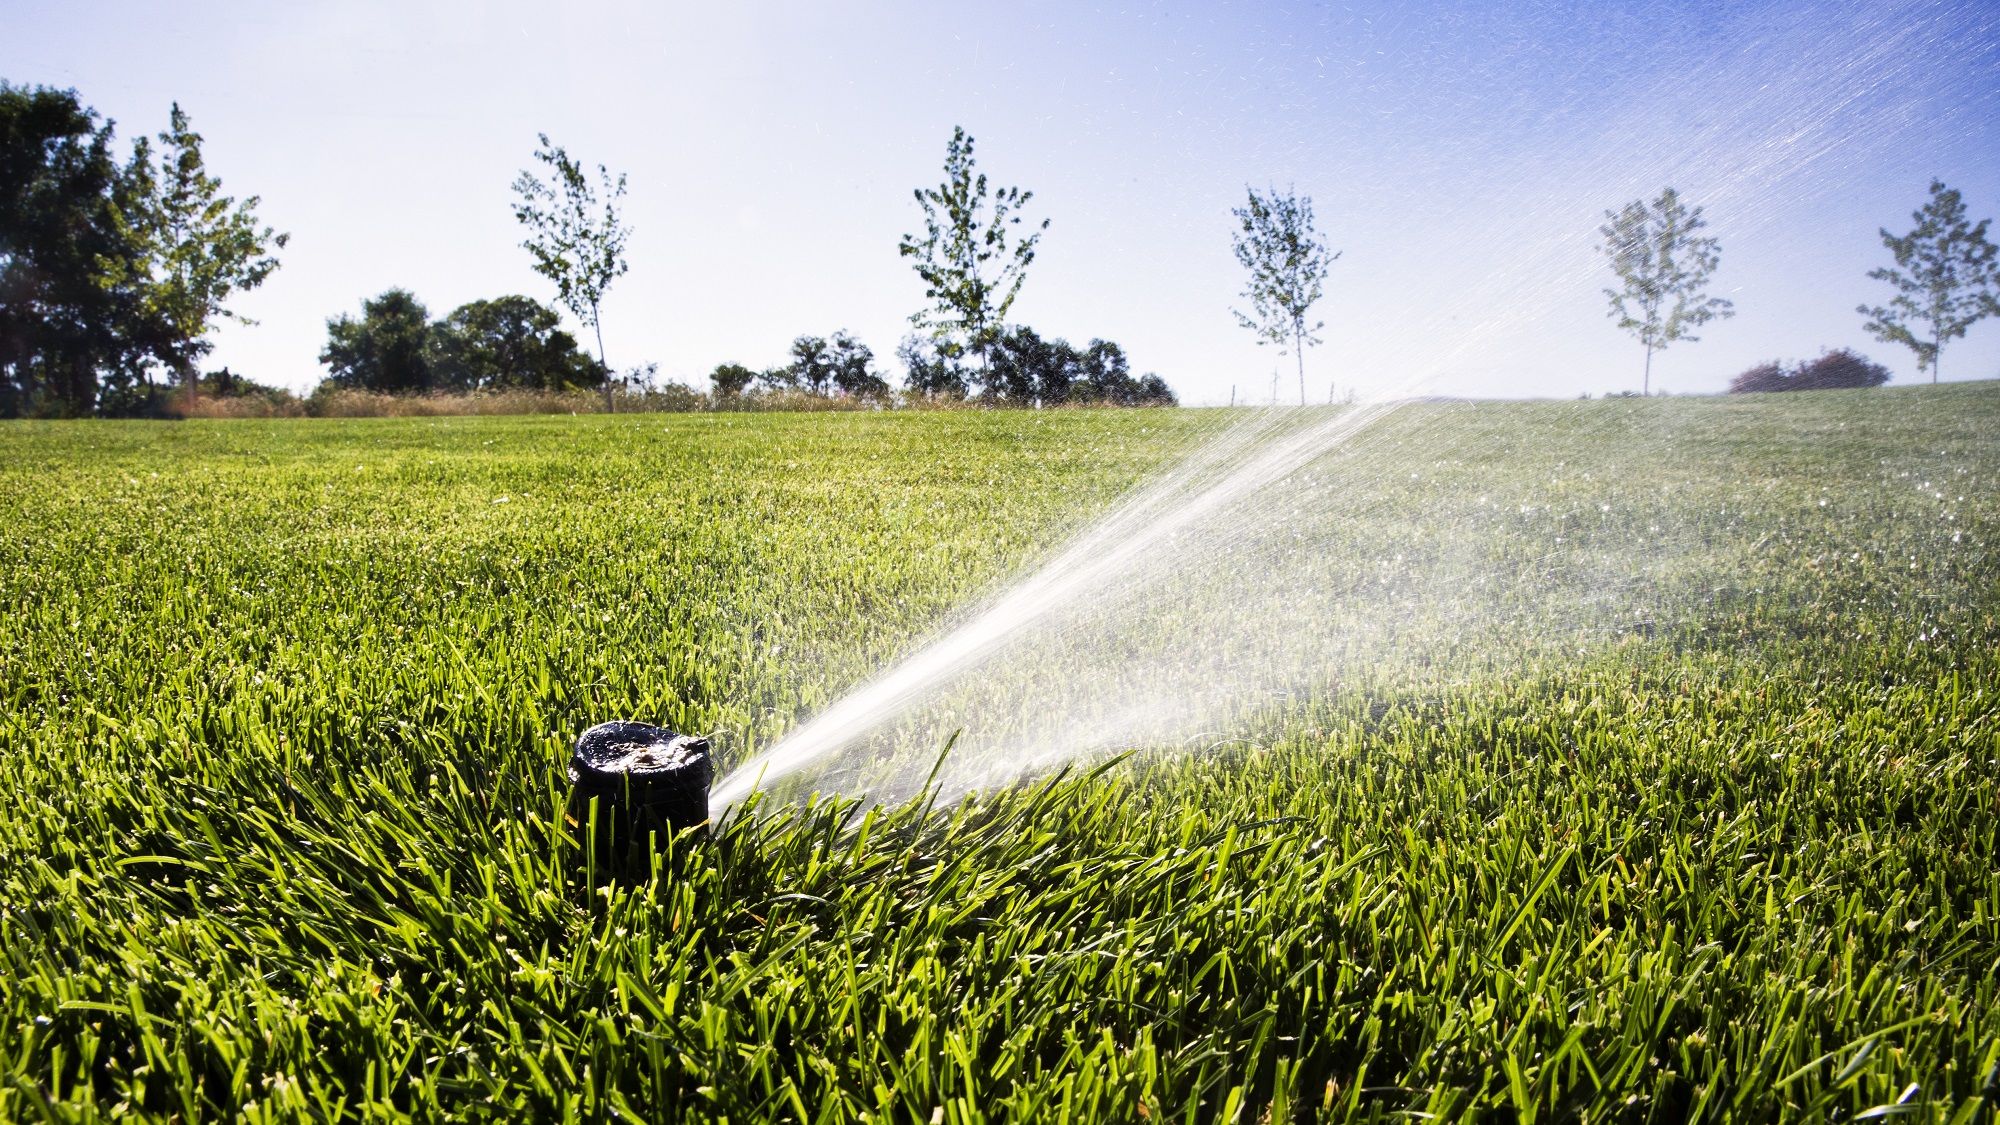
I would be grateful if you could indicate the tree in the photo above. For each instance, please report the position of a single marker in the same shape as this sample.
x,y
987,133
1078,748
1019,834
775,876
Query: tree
x,y
731,379
972,258
1028,370
511,341
1945,280
811,367
931,369
198,246
1663,266
574,235
387,350
853,362
1287,260
64,318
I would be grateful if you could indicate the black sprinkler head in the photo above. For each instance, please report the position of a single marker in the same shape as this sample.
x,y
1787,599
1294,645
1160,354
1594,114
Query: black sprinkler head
x,y
649,783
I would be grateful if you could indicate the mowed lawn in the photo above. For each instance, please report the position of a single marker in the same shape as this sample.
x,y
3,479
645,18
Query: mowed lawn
x,y
284,707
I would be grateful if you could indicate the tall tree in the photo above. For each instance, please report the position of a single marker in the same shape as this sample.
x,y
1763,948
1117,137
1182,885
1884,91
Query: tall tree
x,y
574,234
972,256
1287,260
387,349
63,320
199,246
1663,264
1945,279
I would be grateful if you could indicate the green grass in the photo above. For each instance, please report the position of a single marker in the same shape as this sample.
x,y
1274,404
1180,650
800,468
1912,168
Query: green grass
x,y
286,703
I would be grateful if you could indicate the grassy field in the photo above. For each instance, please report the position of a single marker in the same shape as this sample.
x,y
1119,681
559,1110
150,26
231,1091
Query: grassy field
x,y
286,705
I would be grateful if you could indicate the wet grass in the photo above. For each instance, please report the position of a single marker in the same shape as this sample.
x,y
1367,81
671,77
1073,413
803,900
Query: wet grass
x,y
285,705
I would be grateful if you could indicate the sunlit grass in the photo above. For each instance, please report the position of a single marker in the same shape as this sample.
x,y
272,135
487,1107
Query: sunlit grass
x,y
286,704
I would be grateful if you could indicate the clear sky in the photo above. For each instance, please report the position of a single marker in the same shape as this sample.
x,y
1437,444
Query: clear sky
x,y
1460,155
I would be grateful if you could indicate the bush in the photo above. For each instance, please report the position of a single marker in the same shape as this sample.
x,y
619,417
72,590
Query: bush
x,y
1841,369
1769,376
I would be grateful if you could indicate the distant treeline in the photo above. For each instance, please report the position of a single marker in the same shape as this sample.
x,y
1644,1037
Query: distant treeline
x,y
113,271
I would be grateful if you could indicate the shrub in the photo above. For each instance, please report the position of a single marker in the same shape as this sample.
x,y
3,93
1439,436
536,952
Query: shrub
x,y
1834,370
1839,369
1768,376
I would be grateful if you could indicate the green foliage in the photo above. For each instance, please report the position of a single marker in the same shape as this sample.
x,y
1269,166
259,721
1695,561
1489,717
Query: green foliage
x,y
197,247
106,270
574,232
1663,265
731,380
843,364
388,349
287,828
1946,279
505,343
62,320
970,257
1287,261
1028,370
931,369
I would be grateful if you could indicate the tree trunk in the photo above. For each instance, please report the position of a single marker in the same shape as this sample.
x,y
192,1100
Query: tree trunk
x,y
1646,380
1937,355
610,404
1298,349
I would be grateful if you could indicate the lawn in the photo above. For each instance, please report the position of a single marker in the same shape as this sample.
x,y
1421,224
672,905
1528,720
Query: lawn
x,y
287,705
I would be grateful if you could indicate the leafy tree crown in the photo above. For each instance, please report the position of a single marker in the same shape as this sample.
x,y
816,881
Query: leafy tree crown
x,y
1663,264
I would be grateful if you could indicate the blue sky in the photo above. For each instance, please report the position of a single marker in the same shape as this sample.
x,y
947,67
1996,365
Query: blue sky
x,y
1460,156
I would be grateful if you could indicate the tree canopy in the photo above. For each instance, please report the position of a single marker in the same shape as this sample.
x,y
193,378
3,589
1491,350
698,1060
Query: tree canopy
x,y
506,343
109,269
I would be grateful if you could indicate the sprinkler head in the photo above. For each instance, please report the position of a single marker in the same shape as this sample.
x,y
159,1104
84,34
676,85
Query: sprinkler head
x,y
649,783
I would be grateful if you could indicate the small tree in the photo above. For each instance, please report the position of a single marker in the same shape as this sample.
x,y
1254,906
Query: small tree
x,y
852,362
1945,279
811,367
199,246
971,257
1663,266
574,235
1841,369
731,379
1287,260
931,369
